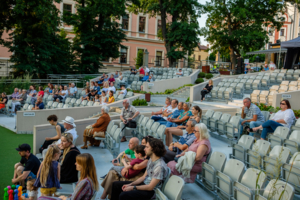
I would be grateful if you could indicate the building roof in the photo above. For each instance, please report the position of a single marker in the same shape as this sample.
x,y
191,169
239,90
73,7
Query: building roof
x,y
202,47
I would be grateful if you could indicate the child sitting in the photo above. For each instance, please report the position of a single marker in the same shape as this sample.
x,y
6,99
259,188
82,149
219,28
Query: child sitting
x,y
31,191
48,176
97,99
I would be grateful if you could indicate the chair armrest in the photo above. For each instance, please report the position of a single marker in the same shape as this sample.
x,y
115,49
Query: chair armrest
x,y
160,195
223,177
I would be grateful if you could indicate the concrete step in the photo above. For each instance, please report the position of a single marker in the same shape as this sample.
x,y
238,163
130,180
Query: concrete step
x,y
235,104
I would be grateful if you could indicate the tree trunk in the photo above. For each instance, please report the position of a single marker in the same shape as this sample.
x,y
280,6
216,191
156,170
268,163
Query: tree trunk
x,y
232,59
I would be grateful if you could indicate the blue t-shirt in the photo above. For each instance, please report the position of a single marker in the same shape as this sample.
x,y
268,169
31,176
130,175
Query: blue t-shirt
x,y
50,91
176,113
97,88
145,78
41,105
187,139
266,69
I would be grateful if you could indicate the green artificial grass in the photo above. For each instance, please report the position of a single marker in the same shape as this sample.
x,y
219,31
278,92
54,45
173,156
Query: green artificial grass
x,y
9,156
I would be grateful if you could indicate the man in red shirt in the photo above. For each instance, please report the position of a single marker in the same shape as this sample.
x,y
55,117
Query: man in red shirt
x,y
111,79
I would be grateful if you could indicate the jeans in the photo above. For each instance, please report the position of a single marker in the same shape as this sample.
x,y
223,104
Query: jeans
x,y
33,100
157,118
171,124
14,104
252,124
269,127
118,193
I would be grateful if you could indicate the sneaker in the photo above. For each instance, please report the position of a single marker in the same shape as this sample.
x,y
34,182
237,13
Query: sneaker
x,y
103,177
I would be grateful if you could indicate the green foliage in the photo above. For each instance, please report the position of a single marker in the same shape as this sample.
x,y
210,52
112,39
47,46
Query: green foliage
x,y
97,36
18,82
139,102
199,80
188,99
139,59
237,26
33,37
179,32
201,75
209,76
212,57
264,107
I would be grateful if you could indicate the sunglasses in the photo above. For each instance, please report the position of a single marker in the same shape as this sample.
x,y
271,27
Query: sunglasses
x,y
282,104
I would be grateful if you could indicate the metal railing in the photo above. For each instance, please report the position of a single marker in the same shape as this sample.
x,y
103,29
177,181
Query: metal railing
x,y
43,81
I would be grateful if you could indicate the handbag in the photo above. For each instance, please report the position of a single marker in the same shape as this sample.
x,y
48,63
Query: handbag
x,y
130,124
99,134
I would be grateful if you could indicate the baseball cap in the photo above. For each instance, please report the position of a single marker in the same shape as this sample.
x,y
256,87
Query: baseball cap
x,y
24,147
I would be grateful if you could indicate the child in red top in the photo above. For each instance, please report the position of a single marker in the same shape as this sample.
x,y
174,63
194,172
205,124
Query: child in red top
x,y
139,157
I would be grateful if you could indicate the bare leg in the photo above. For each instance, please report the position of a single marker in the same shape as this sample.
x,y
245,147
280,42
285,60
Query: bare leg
x,y
104,194
256,128
15,171
170,132
19,173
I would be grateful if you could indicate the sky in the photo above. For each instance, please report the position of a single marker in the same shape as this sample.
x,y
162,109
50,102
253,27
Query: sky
x,y
202,21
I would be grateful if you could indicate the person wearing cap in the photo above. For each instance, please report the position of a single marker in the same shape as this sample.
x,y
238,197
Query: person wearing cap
x,y
28,166
180,73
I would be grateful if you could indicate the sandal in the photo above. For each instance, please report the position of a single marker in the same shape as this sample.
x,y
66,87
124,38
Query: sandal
x,y
123,139
84,147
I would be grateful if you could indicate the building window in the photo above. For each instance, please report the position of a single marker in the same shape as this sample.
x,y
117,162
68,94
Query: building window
x,y
199,58
270,33
158,25
67,8
269,45
142,24
158,58
125,22
281,32
123,58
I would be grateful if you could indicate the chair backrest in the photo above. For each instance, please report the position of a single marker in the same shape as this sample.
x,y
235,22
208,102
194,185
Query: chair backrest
x,y
144,121
82,92
295,136
167,179
225,118
49,103
66,106
173,188
274,87
209,113
256,92
235,120
282,153
215,88
234,169
277,189
112,130
116,135
262,147
233,85
240,85
25,106
30,107
254,179
217,160
246,141
90,103
121,96
237,80
96,104
68,99
295,160
266,77
155,126
285,83
110,125
78,101
73,100
264,93
54,105
161,132
60,105
266,114
130,93
149,123
84,102
293,83
249,81
282,132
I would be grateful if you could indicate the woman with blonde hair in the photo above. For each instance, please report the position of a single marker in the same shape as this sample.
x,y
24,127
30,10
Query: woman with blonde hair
x,y
68,170
207,89
49,173
105,87
201,146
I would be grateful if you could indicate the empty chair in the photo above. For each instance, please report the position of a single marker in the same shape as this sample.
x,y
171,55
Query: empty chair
x,y
233,171
273,162
68,99
265,81
296,74
83,103
66,106
227,84
263,96
146,128
293,83
231,126
140,126
231,80
284,83
90,103
28,100
258,77
30,107
221,124
240,76
221,84
172,190
115,142
277,189
153,129
239,149
283,89
77,103
280,134
160,133
225,80
96,104
60,105
261,73
54,105
221,91
233,86
280,77
129,94
213,121
293,143
274,88
289,74
49,98
72,102
205,118
252,77
270,97
243,80
120,97
248,85
214,92
239,89
49,104
256,85
296,126
291,172
273,77
252,182
254,156
25,107
228,94
216,163
254,96
277,70
237,80
283,71
293,88
134,85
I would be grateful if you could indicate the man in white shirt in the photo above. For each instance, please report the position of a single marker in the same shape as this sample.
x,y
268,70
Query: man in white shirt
x,y
158,115
112,87
123,91
73,90
180,73
147,70
167,112
62,94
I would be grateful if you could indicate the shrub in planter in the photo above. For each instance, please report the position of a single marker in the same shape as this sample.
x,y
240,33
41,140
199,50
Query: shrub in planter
x,y
201,75
139,102
208,76
199,80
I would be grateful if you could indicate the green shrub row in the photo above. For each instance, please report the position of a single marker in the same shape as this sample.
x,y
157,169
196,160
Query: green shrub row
x,y
204,75
139,102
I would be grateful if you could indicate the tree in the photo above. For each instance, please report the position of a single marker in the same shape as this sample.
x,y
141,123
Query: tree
x,y
98,37
212,57
179,25
37,47
139,59
239,25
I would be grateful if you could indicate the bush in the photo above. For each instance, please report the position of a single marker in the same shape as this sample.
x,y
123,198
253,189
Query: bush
x,y
209,76
199,80
140,102
201,75
188,99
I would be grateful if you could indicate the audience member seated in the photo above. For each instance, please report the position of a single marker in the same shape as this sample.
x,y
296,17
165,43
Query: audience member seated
x,y
183,143
92,86
28,166
19,101
84,97
111,97
59,128
112,87
158,115
207,89
133,70
105,87
180,73
272,65
87,185
3,100
116,75
15,94
62,94
90,95
55,91
167,112
87,85
96,130
123,90
97,88
266,67
147,70
156,173
39,94
253,116
119,171
182,118
175,114
68,172
128,114
201,147
97,98
120,76
50,89
111,79
32,92
145,78
101,79
103,98
39,104
142,71
180,130
284,117
73,90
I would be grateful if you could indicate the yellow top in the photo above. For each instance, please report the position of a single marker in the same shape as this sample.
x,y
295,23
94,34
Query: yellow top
x,y
111,99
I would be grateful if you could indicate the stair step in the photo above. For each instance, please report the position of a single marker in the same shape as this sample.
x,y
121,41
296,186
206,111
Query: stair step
x,y
235,104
